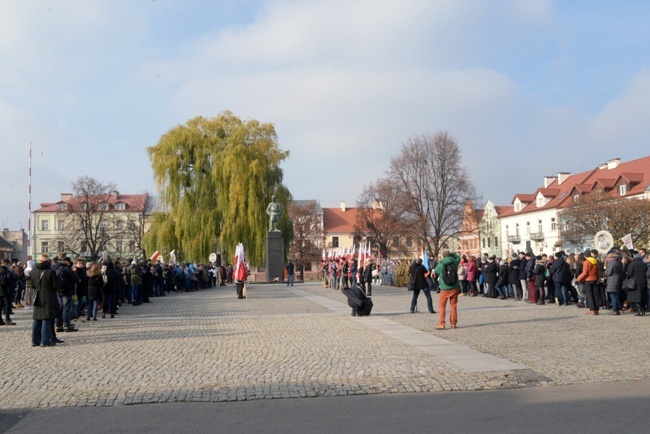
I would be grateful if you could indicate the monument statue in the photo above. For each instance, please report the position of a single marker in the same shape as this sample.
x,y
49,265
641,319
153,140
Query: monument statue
x,y
274,211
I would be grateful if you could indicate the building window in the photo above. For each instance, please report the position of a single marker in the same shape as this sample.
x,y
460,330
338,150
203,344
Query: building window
x,y
483,240
45,225
102,225
335,241
60,246
540,201
409,242
517,206
517,229
103,206
507,230
118,247
623,189
527,227
45,247
553,224
60,225
119,225
539,226
489,243
120,206
131,246
61,207
496,241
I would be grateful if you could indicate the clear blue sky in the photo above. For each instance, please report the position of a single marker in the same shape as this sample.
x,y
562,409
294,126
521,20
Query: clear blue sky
x,y
528,87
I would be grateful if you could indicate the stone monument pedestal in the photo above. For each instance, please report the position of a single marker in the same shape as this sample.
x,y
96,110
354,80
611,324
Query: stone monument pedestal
x,y
274,256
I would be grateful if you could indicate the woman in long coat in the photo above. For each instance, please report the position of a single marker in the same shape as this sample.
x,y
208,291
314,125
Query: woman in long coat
x,y
46,304
637,270
614,273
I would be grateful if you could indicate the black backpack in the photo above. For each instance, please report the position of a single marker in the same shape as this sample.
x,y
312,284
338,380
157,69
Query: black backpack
x,y
449,275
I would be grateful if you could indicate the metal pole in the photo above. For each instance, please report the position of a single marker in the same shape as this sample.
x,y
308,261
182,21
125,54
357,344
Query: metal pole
x,y
29,205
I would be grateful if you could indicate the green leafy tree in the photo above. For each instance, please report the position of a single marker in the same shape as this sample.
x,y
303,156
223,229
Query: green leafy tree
x,y
215,177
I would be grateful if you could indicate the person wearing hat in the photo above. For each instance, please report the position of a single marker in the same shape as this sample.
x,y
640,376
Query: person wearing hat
x,y
46,306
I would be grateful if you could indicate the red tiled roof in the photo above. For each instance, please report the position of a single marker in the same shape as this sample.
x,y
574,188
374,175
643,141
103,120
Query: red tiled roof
x,y
337,221
502,210
635,172
478,214
633,178
133,202
524,198
549,192
606,183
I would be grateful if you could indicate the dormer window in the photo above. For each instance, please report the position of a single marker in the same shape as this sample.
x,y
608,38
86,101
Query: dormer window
x,y
62,207
120,206
540,202
622,189
103,206
517,206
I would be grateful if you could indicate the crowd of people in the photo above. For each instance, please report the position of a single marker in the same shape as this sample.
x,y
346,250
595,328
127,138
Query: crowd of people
x,y
617,280
61,292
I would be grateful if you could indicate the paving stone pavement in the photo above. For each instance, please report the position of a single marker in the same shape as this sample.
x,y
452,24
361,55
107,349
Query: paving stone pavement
x,y
302,342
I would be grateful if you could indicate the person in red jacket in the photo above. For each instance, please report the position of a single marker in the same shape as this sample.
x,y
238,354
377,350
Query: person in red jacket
x,y
589,277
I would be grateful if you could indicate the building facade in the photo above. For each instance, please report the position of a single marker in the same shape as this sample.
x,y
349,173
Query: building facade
x,y
114,222
534,221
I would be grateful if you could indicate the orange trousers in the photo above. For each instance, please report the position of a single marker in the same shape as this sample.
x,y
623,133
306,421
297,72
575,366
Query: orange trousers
x,y
452,296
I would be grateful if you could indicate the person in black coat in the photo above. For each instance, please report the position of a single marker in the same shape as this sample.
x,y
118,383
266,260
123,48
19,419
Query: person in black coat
x,y
637,271
367,276
45,285
502,280
513,276
95,285
418,272
540,277
82,285
489,271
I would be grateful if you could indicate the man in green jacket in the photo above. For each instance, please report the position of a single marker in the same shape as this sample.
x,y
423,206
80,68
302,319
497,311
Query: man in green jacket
x,y
448,287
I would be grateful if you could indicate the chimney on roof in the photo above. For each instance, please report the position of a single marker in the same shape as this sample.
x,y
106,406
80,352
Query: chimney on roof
x,y
548,180
613,163
115,194
66,197
342,205
562,176
602,166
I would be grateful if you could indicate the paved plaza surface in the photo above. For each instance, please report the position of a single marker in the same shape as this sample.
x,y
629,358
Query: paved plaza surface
x,y
301,341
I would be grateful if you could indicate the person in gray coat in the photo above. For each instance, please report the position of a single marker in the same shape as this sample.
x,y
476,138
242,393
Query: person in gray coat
x,y
45,285
615,276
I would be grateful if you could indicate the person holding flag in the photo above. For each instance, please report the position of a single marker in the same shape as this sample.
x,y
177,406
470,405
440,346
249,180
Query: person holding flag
x,y
239,271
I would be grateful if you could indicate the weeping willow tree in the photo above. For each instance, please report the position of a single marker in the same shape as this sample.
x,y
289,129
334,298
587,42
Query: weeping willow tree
x,y
216,177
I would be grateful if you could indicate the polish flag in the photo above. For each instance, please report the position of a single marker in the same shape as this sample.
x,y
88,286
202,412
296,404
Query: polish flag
x,y
239,264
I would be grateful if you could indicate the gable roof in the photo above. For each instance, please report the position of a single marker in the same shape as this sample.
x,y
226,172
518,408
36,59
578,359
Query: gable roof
x,y
337,221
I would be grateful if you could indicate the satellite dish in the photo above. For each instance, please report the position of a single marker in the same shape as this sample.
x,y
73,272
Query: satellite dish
x,y
603,241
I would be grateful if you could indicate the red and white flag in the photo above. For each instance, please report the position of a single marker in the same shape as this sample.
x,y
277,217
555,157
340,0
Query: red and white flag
x,y
155,256
239,264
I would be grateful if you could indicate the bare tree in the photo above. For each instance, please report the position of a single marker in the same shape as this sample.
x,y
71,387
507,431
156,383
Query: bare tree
x,y
306,246
598,211
382,217
429,174
90,224
139,224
